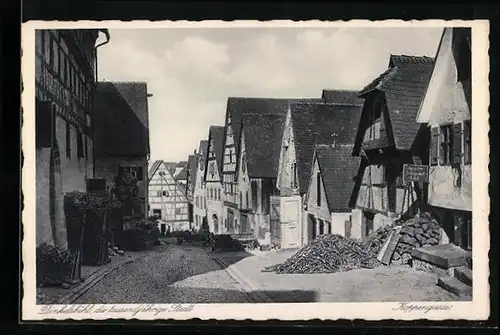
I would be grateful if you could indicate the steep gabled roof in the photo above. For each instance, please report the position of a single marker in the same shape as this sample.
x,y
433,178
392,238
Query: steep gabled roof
x,y
404,84
262,134
183,174
203,146
216,134
237,106
315,123
457,41
120,120
156,164
338,170
192,167
341,97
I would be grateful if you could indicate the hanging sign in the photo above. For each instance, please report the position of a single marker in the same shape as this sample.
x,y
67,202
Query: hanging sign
x,y
415,173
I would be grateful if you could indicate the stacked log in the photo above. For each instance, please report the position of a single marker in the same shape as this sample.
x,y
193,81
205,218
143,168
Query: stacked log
x,y
376,239
420,231
327,254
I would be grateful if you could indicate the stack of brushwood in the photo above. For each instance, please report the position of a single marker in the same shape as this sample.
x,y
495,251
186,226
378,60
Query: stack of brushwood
x,y
420,231
327,254
376,239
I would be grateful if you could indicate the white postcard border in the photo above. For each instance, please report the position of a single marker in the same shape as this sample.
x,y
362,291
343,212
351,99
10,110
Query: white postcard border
x,y
477,309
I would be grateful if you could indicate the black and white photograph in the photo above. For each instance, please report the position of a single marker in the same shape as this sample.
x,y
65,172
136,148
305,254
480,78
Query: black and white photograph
x,y
198,170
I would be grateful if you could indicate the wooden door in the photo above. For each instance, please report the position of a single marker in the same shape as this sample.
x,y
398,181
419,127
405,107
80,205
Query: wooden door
x,y
275,220
291,222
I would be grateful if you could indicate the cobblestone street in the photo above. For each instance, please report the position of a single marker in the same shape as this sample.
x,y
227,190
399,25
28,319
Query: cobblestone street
x,y
176,274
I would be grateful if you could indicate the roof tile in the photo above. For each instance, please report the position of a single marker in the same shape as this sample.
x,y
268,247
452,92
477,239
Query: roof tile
x,y
315,123
338,169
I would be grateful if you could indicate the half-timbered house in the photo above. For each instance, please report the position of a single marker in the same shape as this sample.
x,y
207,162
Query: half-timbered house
x,y
236,108
388,136
167,197
200,196
332,186
306,125
446,109
213,180
260,142
190,186
65,80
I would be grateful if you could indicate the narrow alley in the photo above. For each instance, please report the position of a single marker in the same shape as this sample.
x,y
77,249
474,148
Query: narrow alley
x,y
177,274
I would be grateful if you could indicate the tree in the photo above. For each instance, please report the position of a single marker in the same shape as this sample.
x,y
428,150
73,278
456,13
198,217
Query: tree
x,y
126,190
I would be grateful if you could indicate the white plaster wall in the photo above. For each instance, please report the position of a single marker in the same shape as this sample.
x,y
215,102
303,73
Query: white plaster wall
x,y
445,98
43,225
445,191
287,158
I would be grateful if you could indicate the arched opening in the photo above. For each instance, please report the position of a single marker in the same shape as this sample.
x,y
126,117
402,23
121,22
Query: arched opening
x,y
56,198
215,220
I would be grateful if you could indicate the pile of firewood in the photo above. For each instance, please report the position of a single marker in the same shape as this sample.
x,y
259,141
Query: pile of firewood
x,y
376,239
420,231
327,254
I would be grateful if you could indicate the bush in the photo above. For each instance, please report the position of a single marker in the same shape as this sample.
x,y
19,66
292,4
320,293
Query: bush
x,y
53,265
144,237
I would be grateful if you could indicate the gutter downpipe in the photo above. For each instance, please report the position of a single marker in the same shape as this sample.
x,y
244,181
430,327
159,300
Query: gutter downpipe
x,y
106,32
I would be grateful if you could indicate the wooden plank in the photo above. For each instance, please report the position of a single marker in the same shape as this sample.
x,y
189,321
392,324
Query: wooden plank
x,y
389,247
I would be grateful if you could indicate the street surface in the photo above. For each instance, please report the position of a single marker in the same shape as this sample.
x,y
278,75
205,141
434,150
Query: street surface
x,y
176,274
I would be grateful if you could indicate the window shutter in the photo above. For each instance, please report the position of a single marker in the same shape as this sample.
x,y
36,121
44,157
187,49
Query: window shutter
x,y
468,143
45,124
139,173
457,143
434,145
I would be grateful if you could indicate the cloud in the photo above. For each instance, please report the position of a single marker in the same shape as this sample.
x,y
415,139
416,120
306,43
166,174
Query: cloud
x,y
195,71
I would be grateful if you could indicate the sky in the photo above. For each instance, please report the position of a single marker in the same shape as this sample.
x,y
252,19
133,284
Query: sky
x,y
192,71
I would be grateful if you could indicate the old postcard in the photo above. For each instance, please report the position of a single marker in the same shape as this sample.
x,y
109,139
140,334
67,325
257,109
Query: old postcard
x,y
255,170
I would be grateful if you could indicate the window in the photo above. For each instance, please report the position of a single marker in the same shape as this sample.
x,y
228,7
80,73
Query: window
x,y
204,202
85,147
321,227
241,200
165,194
318,188
55,55
294,175
197,201
218,194
178,210
246,199
139,173
446,145
467,143
68,139
230,156
211,193
254,195
158,193
61,65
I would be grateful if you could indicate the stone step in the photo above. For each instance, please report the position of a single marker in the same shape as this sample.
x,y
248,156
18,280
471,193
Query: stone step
x,y
455,286
444,255
464,274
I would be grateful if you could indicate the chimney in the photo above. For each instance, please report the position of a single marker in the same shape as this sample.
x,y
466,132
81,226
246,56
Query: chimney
x,y
334,140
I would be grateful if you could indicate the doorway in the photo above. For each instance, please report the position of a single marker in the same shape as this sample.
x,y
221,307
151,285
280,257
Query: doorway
x,y
367,223
57,217
163,229
312,227
215,220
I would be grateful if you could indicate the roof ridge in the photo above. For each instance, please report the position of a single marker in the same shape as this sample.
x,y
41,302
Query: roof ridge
x,y
123,82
